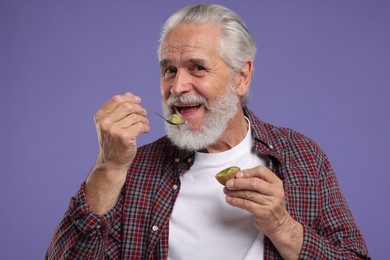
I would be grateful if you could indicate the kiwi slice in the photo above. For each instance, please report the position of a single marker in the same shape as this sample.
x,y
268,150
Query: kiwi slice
x,y
176,119
227,174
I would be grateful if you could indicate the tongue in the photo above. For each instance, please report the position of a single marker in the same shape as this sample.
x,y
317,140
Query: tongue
x,y
185,111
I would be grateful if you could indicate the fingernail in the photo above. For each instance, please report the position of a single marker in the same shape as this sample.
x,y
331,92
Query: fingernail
x,y
239,174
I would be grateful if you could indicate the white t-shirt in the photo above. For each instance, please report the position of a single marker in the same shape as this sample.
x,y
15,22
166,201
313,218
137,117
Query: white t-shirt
x,y
203,225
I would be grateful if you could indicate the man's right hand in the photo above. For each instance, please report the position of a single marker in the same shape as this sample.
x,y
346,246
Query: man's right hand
x,y
118,123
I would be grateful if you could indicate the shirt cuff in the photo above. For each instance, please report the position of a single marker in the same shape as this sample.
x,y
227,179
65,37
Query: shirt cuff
x,y
310,243
88,222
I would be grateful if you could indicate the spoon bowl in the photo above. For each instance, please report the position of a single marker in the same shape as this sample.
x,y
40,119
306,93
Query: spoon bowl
x,y
173,120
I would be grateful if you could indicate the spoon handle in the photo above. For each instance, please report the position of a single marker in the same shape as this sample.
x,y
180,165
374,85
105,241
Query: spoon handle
x,y
166,120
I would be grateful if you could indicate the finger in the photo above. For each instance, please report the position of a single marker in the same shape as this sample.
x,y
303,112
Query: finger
x,y
122,111
128,132
139,128
126,127
247,205
131,120
253,184
125,110
118,99
261,172
114,102
254,196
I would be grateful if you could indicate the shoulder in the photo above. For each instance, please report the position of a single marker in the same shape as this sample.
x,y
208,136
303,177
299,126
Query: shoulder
x,y
283,139
304,161
301,159
295,144
289,139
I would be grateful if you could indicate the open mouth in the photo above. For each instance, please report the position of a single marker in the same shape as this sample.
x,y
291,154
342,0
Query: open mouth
x,y
186,110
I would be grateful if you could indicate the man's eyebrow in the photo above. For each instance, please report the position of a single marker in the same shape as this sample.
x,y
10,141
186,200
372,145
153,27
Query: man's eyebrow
x,y
197,61
165,62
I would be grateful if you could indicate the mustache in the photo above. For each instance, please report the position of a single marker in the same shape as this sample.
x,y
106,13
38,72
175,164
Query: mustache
x,y
187,99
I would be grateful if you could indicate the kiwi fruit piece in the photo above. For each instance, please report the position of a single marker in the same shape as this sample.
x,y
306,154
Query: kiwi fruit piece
x,y
227,174
176,119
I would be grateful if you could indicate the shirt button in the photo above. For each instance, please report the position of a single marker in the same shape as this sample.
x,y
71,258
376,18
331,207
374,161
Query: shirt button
x,y
189,160
271,146
174,187
177,160
155,228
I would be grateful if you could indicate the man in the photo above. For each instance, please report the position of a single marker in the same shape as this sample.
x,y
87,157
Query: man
x,y
162,201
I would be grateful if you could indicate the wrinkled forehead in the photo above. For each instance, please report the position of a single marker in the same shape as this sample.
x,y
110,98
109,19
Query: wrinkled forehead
x,y
191,38
182,54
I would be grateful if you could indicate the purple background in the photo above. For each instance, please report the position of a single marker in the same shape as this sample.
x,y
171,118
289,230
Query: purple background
x,y
323,68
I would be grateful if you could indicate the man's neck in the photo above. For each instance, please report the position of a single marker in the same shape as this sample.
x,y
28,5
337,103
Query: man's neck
x,y
235,132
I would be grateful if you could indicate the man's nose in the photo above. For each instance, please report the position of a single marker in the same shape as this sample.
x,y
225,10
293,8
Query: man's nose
x,y
182,83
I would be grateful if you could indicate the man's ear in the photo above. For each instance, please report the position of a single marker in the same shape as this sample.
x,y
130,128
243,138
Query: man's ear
x,y
244,77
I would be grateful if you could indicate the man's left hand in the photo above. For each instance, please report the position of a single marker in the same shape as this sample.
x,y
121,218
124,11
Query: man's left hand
x,y
259,191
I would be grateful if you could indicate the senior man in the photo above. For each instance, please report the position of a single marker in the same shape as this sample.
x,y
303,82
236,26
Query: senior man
x,y
162,201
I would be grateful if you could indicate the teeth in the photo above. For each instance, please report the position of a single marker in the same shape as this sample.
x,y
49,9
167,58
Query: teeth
x,y
184,106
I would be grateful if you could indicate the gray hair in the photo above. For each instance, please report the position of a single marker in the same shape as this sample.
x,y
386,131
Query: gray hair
x,y
237,44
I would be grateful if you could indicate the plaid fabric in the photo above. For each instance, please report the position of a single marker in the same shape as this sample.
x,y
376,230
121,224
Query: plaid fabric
x,y
138,226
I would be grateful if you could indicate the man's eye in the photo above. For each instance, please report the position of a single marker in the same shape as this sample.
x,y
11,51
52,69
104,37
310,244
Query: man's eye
x,y
168,72
198,68
198,71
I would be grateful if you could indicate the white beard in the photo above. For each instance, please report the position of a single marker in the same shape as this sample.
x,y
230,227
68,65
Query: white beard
x,y
216,120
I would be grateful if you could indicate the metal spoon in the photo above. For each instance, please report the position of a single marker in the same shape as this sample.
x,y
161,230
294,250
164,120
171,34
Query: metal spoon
x,y
174,120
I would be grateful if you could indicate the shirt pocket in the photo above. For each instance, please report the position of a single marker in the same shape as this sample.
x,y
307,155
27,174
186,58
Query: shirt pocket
x,y
304,204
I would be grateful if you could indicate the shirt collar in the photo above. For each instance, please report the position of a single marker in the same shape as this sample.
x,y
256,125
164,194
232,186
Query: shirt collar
x,y
262,135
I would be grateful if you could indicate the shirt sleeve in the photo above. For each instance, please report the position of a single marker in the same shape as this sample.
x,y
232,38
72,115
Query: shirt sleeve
x,y
82,234
337,235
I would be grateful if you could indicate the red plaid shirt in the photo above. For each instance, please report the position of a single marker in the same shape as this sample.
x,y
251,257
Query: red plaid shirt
x,y
137,227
